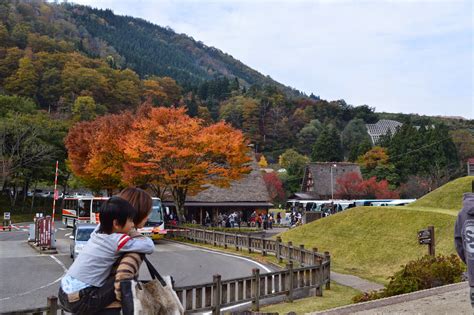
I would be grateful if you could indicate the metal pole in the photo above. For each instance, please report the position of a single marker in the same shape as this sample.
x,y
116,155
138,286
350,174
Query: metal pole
x,y
332,188
55,196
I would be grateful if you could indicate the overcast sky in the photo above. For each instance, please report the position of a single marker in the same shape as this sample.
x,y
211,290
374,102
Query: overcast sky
x,y
397,56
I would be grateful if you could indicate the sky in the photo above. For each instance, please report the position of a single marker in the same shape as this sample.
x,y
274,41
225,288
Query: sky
x,y
397,56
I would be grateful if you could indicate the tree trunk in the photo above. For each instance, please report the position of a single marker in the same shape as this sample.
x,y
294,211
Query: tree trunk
x,y
33,197
179,196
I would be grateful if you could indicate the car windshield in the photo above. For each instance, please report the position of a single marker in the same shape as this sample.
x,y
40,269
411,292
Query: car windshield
x,y
84,234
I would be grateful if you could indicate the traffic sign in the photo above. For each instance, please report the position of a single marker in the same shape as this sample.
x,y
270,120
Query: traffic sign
x,y
425,241
6,216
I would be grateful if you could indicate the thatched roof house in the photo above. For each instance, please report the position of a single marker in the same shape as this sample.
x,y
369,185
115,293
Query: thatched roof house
x,y
317,178
245,195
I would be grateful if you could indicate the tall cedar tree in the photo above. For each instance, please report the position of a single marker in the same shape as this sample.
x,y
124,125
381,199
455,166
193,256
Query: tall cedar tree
x,y
328,146
183,154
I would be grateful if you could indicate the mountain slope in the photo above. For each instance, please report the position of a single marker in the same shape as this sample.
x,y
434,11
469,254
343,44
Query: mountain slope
x,y
152,49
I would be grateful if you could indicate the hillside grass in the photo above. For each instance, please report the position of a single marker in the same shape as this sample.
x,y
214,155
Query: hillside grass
x,y
448,196
373,242
339,295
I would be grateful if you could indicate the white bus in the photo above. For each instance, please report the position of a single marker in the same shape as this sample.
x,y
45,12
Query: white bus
x,y
86,210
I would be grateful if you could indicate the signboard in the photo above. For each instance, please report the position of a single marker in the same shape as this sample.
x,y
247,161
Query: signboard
x,y
424,234
56,195
6,216
425,241
427,237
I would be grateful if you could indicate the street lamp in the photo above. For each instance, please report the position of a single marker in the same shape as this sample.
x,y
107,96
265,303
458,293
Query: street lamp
x,y
332,182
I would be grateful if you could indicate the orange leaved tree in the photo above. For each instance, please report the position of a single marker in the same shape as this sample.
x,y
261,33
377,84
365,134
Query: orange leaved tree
x,y
94,150
171,149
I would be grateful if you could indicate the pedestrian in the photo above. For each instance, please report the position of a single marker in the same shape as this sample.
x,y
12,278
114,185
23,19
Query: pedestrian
x,y
270,221
258,219
464,238
86,290
279,218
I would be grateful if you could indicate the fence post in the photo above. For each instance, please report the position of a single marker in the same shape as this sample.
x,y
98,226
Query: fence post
x,y
278,249
302,255
216,310
318,274
225,240
289,266
256,289
290,250
52,305
236,242
264,250
214,241
249,243
327,257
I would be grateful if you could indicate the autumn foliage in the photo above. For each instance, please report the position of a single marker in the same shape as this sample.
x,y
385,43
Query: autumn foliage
x,y
160,146
274,186
352,186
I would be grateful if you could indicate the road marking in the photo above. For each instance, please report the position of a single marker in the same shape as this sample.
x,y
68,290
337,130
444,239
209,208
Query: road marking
x,y
67,234
25,230
238,257
62,229
43,286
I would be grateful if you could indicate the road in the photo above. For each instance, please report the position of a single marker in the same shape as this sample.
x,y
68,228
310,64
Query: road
x,y
27,277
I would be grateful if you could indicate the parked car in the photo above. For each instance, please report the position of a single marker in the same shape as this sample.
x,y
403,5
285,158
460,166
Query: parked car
x,y
80,235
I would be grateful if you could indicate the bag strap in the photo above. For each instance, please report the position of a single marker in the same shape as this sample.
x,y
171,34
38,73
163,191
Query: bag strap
x,y
153,272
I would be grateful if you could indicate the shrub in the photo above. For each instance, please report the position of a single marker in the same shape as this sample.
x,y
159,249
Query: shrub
x,y
424,273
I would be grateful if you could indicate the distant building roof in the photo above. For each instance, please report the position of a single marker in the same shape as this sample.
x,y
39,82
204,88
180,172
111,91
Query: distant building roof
x,y
317,177
381,128
250,188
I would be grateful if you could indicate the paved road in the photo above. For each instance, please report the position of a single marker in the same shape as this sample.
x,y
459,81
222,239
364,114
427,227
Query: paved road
x,y
27,278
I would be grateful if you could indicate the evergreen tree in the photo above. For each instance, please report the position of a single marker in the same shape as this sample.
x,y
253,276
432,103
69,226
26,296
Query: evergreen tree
x,y
308,136
353,135
328,146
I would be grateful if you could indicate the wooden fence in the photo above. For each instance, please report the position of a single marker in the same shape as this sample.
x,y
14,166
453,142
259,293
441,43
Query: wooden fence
x,y
312,271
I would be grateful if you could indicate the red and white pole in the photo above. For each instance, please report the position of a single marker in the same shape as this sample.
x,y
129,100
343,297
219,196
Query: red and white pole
x,y
56,195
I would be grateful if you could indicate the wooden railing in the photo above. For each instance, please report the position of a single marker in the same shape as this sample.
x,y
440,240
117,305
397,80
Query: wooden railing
x,y
312,272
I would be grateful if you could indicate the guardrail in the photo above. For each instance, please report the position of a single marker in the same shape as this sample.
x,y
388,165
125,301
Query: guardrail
x,y
313,272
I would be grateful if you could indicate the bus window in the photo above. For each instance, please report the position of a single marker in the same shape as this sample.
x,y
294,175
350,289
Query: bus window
x,y
96,204
84,207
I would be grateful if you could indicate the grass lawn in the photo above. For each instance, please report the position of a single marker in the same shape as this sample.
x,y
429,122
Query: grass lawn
x,y
372,242
448,196
338,296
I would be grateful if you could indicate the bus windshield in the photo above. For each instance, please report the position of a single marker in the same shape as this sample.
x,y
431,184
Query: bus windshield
x,y
156,215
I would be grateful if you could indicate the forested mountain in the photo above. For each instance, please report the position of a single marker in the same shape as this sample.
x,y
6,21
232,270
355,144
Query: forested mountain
x,y
64,63
152,49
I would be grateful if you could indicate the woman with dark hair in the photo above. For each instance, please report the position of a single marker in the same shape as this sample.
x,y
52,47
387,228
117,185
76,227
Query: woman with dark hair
x,y
128,265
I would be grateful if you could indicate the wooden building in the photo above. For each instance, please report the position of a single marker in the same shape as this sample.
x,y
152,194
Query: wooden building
x,y
318,177
245,196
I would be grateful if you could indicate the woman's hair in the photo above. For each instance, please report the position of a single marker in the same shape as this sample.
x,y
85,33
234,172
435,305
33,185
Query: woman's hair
x,y
140,200
118,209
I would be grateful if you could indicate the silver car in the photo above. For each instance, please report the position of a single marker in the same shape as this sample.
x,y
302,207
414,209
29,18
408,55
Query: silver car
x,y
80,235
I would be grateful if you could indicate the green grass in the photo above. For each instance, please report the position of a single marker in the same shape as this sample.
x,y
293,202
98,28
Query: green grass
x,y
338,296
372,242
448,196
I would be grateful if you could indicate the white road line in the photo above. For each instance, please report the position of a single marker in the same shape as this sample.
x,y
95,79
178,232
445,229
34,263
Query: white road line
x,y
25,230
62,229
67,234
239,257
43,286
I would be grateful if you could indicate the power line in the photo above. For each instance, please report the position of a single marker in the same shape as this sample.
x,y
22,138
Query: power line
x,y
416,150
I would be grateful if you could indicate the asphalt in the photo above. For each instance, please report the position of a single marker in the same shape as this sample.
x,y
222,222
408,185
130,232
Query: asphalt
x,y
27,278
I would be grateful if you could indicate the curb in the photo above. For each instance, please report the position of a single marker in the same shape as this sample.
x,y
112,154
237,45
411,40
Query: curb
x,y
39,250
407,297
224,252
